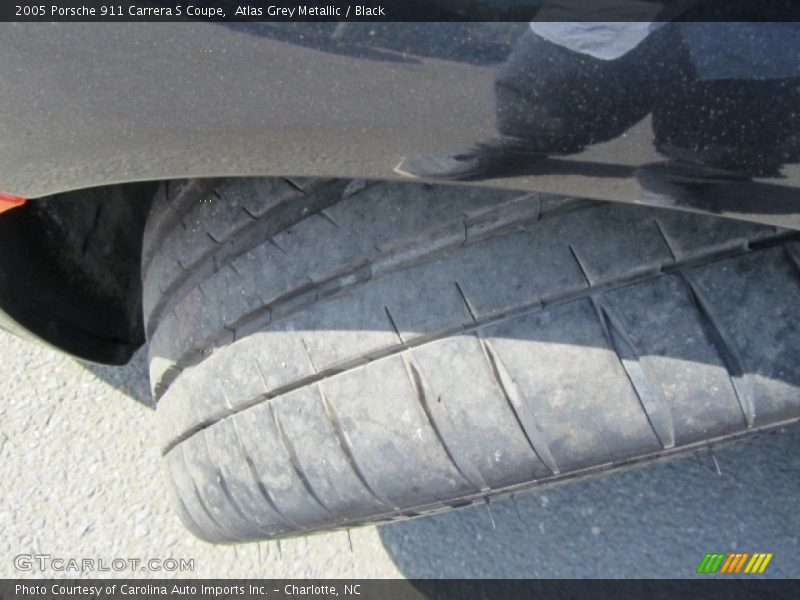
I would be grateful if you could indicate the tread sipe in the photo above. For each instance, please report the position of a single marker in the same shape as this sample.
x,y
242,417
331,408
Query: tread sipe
x,y
330,353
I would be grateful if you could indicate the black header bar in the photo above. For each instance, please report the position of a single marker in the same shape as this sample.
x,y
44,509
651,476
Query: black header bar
x,y
397,10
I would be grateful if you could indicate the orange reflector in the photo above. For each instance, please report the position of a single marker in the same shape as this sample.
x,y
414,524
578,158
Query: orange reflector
x,y
9,201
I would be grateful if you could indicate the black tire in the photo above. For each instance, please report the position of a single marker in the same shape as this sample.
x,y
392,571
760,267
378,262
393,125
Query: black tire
x,y
326,354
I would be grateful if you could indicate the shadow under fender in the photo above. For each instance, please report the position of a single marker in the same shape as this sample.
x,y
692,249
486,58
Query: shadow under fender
x,y
70,270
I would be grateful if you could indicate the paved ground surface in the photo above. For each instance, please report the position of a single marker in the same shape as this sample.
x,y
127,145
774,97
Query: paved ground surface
x,y
81,478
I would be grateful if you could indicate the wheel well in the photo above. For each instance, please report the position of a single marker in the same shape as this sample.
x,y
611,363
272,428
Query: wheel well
x,y
70,269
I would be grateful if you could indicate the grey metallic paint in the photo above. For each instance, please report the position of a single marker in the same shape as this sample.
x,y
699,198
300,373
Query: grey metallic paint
x,y
93,104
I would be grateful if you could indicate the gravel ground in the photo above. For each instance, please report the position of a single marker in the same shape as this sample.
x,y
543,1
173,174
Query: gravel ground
x,y
81,478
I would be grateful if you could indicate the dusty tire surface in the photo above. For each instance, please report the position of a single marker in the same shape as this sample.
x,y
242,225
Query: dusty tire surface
x,y
329,353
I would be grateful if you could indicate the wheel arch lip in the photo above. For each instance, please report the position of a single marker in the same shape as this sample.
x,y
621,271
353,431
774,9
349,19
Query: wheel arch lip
x,y
9,201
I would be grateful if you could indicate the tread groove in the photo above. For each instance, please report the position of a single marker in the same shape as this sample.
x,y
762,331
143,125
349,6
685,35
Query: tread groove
x,y
199,496
171,217
474,479
295,186
295,462
580,265
654,405
227,493
727,353
248,213
463,296
185,512
516,403
324,214
666,239
235,269
262,488
528,308
184,509
308,356
261,375
208,512
393,324
271,241
347,450
208,259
